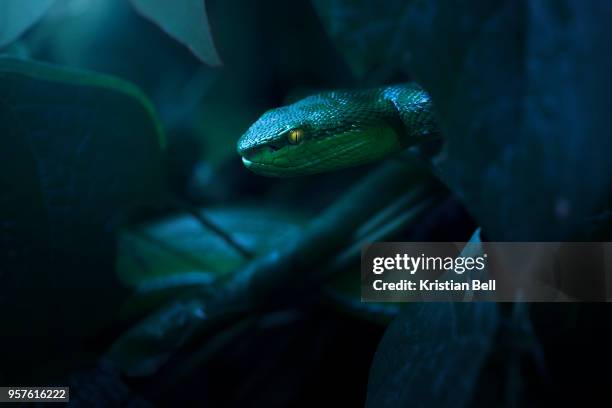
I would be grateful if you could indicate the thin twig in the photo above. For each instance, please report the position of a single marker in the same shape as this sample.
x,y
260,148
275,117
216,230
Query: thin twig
x,y
209,224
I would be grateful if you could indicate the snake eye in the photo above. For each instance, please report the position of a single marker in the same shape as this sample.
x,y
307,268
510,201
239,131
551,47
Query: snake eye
x,y
295,136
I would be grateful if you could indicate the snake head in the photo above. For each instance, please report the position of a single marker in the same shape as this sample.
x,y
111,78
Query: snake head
x,y
320,133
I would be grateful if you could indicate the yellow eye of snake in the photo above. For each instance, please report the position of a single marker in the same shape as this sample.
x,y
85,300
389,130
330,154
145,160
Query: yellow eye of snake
x,y
295,136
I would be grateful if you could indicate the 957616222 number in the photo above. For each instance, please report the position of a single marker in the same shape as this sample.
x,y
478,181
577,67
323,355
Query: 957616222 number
x,y
34,394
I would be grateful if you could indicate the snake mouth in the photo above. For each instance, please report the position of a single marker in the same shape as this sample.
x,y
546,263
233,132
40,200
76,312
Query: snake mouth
x,y
259,155
260,160
267,169
265,162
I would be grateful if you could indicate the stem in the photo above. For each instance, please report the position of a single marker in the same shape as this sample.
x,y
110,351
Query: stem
x,y
209,224
293,267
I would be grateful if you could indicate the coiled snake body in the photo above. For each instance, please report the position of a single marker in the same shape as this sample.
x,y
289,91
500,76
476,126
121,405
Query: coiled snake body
x,y
338,129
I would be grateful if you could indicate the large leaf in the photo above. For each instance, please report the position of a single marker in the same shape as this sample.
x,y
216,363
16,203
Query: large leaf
x,y
371,36
77,150
286,265
181,246
522,93
184,20
16,16
432,355
147,345
165,259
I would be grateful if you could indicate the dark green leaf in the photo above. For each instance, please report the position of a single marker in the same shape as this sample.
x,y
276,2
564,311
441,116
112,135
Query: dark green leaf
x,y
345,293
432,355
522,93
16,16
147,345
369,35
77,150
184,20
179,249
164,259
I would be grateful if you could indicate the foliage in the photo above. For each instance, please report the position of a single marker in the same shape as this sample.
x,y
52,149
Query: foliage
x,y
507,80
371,37
16,16
225,286
519,106
78,150
432,354
513,133
187,22
181,245
146,346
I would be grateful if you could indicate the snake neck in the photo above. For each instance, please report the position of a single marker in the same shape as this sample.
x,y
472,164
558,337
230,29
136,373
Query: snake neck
x,y
413,117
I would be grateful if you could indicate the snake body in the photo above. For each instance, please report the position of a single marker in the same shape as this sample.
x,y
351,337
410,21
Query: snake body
x,y
337,129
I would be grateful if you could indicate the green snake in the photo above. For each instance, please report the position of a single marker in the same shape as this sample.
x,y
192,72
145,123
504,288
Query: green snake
x,y
338,129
